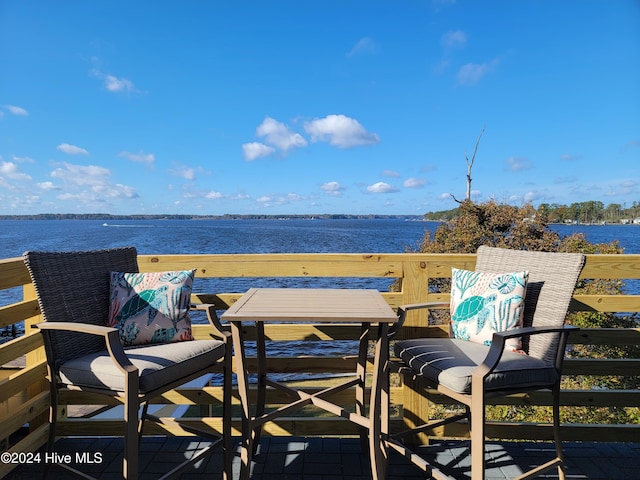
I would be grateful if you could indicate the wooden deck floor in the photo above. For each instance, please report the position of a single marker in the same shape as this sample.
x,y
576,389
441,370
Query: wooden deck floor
x,y
313,458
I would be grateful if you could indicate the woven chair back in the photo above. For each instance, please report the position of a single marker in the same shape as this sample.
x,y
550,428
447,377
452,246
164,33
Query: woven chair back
x,y
552,279
74,287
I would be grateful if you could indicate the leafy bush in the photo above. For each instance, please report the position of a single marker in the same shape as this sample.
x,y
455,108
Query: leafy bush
x,y
501,225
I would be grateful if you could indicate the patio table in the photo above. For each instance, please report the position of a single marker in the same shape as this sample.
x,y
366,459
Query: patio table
x,y
341,306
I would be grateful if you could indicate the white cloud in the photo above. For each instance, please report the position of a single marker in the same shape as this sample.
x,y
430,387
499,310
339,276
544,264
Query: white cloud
x,y
17,110
189,192
278,134
454,39
82,175
148,158
391,173
279,200
5,185
99,195
333,189
472,73
625,187
414,183
22,159
254,150
365,45
47,186
71,149
113,83
87,184
517,164
184,171
117,191
213,195
381,187
10,170
340,131
531,197
293,197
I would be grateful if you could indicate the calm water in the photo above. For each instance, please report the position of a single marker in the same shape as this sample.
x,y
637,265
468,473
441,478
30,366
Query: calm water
x,y
213,236
249,236
253,236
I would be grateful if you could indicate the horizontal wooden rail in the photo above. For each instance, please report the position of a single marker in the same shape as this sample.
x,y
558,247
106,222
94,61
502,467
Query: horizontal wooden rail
x,y
412,272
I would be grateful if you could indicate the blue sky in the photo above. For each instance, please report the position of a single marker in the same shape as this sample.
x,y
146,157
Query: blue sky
x,y
316,107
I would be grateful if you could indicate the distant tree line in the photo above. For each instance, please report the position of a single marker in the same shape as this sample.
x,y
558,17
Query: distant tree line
x,y
579,212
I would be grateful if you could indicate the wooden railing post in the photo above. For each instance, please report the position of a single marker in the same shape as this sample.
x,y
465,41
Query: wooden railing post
x,y
33,357
415,283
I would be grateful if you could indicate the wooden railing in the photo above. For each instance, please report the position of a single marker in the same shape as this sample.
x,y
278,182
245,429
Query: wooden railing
x,y
24,396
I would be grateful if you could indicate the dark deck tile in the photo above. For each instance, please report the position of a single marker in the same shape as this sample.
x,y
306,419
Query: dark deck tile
x,y
315,458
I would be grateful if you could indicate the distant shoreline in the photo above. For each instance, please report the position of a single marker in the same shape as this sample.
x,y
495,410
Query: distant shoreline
x,y
106,217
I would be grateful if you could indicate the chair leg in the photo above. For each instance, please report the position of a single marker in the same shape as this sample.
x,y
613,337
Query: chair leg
x,y
143,417
131,439
477,438
556,432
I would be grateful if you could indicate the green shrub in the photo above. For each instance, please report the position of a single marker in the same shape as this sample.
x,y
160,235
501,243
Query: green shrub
x,y
502,225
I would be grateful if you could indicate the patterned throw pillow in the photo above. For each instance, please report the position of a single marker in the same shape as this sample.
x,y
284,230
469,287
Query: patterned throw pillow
x,y
151,307
484,303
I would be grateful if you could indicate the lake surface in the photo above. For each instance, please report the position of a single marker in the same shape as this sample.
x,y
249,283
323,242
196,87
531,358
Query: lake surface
x,y
251,236
255,236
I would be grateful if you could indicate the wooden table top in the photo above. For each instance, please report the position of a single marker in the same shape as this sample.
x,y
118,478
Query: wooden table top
x,y
311,305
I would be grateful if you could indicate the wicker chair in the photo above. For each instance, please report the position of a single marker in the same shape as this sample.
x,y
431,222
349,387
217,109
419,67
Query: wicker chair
x,y
470,373
84,354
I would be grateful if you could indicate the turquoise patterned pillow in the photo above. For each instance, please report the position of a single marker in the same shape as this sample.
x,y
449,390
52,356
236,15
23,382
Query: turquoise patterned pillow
x,y
484,303
151,307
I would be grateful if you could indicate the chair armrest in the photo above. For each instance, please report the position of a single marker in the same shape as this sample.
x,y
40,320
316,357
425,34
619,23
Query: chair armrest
x,y
77,327
519,332
110,334
221,330
416,306
498,341
402,313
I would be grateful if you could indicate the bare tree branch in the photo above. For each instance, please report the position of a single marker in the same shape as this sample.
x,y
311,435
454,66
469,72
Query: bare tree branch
x,y
470,164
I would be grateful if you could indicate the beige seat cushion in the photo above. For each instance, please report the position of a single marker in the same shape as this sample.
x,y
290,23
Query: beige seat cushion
x,y
158,364
450,362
